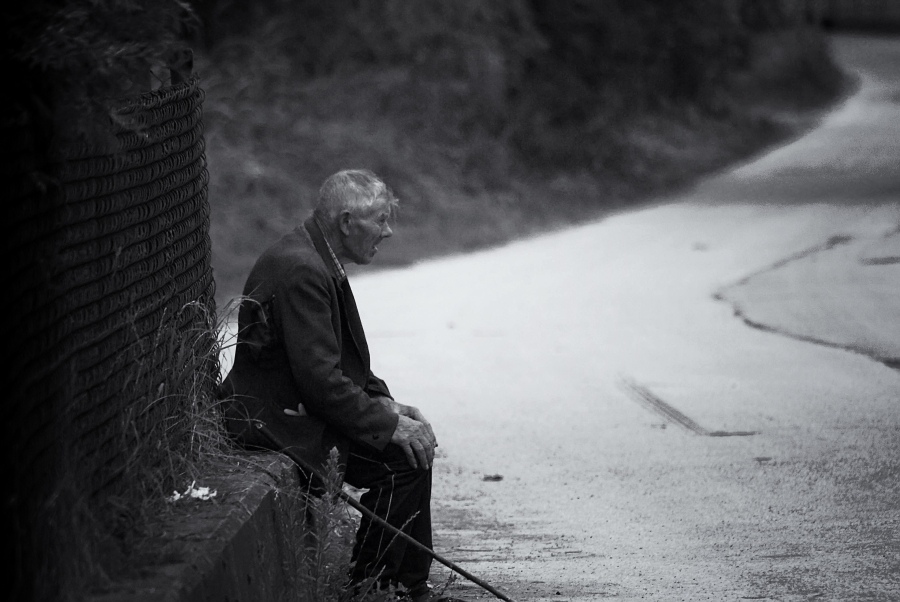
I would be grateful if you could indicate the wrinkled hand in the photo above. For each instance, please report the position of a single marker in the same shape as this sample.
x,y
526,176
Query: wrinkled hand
x,y
417,441
413,433
415,414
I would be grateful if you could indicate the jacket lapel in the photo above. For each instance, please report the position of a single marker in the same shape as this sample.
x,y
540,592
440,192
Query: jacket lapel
x,y
344,293
354,322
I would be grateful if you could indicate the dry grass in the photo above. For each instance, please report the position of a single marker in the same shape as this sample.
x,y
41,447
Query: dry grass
x,y
170,436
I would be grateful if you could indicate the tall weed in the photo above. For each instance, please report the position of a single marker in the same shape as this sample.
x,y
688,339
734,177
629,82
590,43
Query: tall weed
x,y
327,527
95,523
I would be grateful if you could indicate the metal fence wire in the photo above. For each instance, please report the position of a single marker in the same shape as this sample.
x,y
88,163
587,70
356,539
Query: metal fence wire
x,y
109,266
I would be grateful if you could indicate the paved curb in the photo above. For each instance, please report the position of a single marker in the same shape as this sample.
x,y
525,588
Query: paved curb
x,y
243,547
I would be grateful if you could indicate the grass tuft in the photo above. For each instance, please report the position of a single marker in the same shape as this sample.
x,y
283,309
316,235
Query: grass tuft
x,y
329,536
99,526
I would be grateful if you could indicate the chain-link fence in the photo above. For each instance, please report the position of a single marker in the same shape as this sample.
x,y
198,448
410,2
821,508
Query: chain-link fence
x,y
108,259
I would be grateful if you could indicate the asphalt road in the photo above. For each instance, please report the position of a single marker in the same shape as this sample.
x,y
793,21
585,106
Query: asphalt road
x,y
699,400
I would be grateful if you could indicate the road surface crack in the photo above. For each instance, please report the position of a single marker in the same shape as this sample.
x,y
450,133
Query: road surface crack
x,y
830,243
646,398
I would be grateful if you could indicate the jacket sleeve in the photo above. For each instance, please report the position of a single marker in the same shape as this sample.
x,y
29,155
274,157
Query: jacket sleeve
x,y
304,310
377,387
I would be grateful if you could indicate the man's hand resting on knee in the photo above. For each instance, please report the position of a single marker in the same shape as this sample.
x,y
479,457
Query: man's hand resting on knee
x,y
417,441
413,433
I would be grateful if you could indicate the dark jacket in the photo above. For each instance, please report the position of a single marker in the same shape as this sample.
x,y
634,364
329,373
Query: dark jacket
x,y
300,340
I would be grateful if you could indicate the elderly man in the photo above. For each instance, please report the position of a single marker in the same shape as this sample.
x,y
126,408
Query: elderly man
x,y
302,367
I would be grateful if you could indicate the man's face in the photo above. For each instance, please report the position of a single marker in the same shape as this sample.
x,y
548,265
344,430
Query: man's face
x,y
363,232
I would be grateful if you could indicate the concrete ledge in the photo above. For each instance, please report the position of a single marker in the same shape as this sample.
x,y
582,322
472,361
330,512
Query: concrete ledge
x,y
244,545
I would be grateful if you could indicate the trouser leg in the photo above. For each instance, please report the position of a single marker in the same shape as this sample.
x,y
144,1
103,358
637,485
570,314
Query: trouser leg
x,y
402,496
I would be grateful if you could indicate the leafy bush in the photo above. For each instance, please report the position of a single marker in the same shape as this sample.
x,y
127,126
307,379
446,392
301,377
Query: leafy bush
x,y
765,15
468,106
534,74
71,57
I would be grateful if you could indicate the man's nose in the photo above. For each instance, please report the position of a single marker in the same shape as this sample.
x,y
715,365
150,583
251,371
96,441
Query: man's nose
x,y
386,232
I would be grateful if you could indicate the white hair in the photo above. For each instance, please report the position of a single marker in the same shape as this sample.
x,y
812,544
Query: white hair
x,y
355,190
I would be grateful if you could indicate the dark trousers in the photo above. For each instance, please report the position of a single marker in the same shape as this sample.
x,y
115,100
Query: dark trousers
x,y
402,496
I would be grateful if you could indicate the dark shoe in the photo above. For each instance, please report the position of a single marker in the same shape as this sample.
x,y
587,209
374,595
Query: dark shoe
x,y
430,596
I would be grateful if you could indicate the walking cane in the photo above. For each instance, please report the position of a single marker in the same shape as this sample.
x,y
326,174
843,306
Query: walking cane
x,y
300,462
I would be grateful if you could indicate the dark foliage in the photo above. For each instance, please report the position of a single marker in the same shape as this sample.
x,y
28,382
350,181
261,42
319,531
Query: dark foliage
x,y
533,72
68,58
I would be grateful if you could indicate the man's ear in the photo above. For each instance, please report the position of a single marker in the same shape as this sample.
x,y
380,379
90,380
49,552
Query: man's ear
x,y
344,222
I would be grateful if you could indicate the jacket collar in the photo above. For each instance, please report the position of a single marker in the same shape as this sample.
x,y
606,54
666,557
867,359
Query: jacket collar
x,y
317,234
344,294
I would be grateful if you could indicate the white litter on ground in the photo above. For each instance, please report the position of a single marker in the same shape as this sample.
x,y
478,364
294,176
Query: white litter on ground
x,y
200,493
